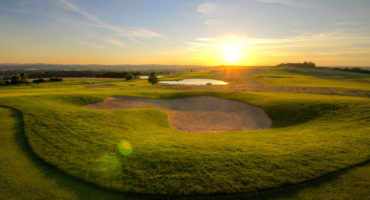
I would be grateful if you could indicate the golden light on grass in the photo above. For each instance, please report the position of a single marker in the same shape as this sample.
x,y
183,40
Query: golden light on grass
x,y
231,54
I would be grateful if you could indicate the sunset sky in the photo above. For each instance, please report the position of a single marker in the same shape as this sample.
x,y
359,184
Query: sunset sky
x,y
264,32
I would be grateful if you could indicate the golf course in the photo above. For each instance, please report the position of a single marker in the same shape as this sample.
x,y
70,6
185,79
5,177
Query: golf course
x,y
270,133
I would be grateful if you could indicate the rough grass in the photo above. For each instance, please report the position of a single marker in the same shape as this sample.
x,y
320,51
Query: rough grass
x,y
24,176
311,135
353,183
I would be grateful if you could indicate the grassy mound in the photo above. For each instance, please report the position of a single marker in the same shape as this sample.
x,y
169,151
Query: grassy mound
x,y
137,150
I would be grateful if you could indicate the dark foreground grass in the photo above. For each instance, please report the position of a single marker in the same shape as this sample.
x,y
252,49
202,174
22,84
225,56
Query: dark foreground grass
x,y
351,183
312,135
24,176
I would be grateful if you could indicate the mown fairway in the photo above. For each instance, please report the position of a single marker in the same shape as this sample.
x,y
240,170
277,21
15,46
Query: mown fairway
x,y
312,135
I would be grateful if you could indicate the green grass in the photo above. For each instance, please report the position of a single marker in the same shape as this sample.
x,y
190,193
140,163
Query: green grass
x,y
353,183
330,73
315,78
188,75
24,176
312,135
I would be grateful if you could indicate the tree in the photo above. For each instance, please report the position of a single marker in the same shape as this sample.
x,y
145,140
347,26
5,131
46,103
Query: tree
x,y
297,65
24,78
2,82
137,75
153,79
130,76
16,79
40,80
55,79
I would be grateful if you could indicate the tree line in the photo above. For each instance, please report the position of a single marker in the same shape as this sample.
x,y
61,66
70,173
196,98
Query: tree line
x,y
65,73
354,69
22,78
14,80
52,76
299,65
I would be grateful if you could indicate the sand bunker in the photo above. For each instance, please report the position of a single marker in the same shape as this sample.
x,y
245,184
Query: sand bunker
x,y
196,114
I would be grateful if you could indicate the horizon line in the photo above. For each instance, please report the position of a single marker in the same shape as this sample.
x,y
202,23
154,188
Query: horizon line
x,y
195,65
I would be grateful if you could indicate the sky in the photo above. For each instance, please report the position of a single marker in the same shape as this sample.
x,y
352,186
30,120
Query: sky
x,y
185,32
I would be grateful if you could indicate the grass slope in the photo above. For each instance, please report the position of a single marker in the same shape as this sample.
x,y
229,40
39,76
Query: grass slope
x,y
311,135
24,176
353,183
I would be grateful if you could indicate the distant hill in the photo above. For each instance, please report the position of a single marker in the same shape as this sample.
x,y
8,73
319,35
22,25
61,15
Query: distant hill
x,y
57,67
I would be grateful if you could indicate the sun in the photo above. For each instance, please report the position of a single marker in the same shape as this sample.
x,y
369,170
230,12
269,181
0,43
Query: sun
x,y
231,54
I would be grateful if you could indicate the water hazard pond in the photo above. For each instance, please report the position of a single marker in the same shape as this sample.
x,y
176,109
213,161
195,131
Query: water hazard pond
x,y
195,81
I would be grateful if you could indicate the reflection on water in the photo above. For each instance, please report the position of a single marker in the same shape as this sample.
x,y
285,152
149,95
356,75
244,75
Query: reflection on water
x,y
146,77
195,81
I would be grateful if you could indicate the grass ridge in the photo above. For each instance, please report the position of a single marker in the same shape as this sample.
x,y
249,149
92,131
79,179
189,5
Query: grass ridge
x,y
264,193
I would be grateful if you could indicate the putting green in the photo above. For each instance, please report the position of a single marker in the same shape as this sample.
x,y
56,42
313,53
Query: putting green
x,y
138,151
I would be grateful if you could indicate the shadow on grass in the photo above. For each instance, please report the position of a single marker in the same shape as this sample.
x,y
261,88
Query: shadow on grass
x,y
84,190
79,188
289,114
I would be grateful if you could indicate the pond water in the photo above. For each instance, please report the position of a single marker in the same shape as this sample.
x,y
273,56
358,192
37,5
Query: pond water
x,y
146,77
195,81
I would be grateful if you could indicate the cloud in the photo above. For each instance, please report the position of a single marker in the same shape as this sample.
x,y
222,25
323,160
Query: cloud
x,y
329,40
294,3
346,23
92,44
114,41
213,22
131,33
205,39
209,9
72,7
206,8
284,2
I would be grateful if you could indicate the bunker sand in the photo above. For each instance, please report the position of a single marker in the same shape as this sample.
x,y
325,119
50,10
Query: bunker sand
x,y
196,114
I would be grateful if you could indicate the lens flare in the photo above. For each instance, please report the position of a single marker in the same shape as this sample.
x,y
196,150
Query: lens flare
x,y
125,148
110,165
